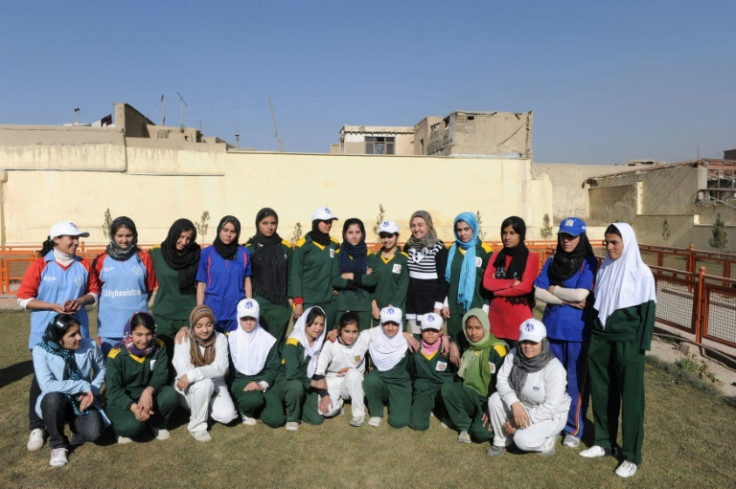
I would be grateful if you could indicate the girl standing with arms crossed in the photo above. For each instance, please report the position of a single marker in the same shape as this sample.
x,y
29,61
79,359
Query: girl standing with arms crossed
x,y
625,301
564,285
511,281
59,282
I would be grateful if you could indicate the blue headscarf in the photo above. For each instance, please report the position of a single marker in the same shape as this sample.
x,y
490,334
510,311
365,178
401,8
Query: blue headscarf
x,y
466,287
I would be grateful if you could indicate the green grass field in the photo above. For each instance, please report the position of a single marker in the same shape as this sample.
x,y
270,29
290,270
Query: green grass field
x,y
690,442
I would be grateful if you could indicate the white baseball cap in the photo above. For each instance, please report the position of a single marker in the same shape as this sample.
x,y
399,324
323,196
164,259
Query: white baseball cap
x,y
249,308
432,321
323,214
391,314
66,228
389,227
532,330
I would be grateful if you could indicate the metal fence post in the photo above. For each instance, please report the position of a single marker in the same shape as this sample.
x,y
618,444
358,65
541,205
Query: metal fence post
x,y
699,297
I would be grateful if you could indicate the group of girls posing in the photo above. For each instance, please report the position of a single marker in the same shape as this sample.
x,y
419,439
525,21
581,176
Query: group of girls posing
x,y
321,279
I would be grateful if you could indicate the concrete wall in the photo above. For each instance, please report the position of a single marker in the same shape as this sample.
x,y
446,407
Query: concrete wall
x,y
497,133
168,180
647,198
570,195
423,133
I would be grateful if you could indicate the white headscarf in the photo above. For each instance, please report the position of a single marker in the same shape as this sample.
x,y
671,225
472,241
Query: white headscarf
x,y
387,351
249,350
300,334
624,282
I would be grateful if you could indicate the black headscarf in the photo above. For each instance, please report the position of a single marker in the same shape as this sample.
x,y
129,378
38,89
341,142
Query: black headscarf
x,y
227,251
268,262
113,250
317,235
517,265
357,252
565,265
518,253
186,260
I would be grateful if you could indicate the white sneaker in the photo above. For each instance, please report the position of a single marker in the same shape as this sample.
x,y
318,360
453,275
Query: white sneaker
x,y
375,421
357,421
161,433
35,440
593,452
203,436
124,440
292,426
463,437
58,458
571,441
447,423
626,469
248,421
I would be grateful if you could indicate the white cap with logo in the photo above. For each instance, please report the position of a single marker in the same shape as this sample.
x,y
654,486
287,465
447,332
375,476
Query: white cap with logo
x,y
532,330
391,314
249,308
389,227
66,228
323,214
432,321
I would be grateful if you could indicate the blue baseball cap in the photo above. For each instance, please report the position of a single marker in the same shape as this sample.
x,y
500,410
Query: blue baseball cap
x,y
572,226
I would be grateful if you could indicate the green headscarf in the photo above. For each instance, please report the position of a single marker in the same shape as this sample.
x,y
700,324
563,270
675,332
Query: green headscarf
x,y
474,367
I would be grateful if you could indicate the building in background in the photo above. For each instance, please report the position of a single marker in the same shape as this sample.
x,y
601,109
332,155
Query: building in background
x,y
688,195
495,134
156,174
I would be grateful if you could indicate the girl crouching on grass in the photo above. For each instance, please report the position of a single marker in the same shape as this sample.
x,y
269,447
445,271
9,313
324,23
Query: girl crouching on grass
x,y
466,398
389,383
340,372
70,371
201,362
530,404
255,356
294,398
137,373
432,369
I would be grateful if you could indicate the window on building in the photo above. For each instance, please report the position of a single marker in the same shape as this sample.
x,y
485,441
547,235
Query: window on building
x,y
378,145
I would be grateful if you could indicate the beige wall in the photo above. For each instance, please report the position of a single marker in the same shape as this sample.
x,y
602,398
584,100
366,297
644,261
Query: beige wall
x,y
570,195
646,198
167,180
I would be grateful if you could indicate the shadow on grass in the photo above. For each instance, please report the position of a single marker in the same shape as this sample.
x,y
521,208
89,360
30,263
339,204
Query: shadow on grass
x,y
13,373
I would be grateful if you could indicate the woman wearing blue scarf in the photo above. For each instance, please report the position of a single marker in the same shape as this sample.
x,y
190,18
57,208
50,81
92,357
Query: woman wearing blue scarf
x,y
351,276
466,263
70,371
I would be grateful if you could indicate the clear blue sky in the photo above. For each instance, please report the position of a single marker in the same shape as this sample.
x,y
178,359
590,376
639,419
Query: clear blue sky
x,y
608,82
